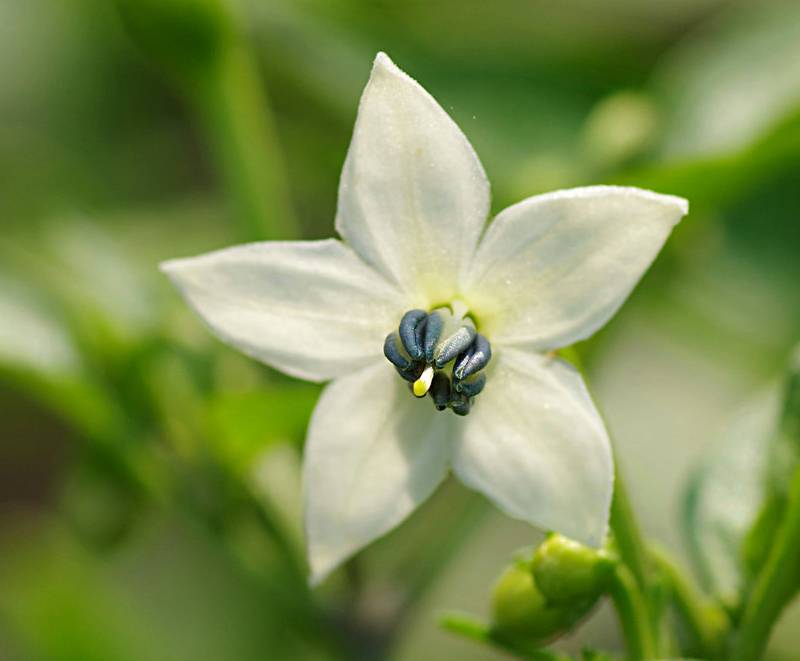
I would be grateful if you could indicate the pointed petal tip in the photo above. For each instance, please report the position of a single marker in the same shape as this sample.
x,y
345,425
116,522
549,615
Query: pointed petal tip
x,y
321,564
680,203
384,65
318,563
173,267
402,135
169,266
317,578
382,60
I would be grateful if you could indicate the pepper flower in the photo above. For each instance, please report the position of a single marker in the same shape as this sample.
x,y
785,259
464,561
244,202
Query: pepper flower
x,y
437,331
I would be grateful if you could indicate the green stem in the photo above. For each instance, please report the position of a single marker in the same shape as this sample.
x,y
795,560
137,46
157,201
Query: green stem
x,y
235,114
705,622
631,584
469,627
775,585
628,538
632,612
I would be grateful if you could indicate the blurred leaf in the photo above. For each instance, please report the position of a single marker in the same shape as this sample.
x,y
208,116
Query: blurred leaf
x,y
32,337
173,594
713,181
60,611
38,354
244,424
104,298
784,458
733,79
97,277
180,34
275,480
620,128
725,493
99,506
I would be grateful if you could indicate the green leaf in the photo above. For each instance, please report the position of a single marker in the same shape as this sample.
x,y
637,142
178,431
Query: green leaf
x,y
60,611
180,34
732,81
783,461
737,499
32,337
105,299
725,493
711,181
38,354
62,602
98,280
244,424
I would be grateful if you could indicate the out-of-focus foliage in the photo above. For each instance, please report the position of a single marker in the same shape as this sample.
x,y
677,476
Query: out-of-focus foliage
x,y
149,476
724,495
702,82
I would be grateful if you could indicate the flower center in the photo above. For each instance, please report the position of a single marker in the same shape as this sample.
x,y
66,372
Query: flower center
x,y
441,354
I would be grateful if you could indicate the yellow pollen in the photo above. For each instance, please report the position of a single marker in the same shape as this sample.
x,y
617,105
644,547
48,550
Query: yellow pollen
x,y
423,383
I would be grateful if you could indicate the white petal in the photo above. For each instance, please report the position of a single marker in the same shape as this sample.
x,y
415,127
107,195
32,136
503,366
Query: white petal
x,y
413,198
535,445
373,454
554,268
312,309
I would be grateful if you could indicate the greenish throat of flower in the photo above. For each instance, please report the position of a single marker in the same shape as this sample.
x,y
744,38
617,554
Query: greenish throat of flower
x,y
441,354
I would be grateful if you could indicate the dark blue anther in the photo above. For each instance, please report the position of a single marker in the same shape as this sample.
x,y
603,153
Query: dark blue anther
x,y
391,349
440,391
457,343
474,359
472,385
460,403
433,329
412,332
419,347
410,373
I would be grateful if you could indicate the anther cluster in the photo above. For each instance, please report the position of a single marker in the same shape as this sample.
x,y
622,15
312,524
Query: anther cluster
x,y
440,353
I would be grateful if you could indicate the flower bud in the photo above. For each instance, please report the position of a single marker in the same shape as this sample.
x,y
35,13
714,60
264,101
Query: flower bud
x,y
520,611
567,572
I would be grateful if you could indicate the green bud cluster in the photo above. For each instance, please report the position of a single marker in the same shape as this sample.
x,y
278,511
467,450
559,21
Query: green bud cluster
x,y
567,571
520,610
540,598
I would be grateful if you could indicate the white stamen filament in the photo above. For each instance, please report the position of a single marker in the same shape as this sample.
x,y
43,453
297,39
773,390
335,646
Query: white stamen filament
x,y
423,383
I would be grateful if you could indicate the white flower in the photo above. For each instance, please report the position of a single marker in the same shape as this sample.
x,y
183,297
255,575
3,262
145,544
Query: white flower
x,y
412,210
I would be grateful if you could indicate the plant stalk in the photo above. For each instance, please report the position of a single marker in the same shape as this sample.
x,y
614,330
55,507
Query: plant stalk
x,y
775,585
627,536
631,581
704,621
235,115
632,612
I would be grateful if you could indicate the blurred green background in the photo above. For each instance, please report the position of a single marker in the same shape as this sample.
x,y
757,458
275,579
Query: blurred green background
x,y
149,476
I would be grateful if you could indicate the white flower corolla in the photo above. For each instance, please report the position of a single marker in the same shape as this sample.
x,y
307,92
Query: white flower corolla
x,y
418,271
